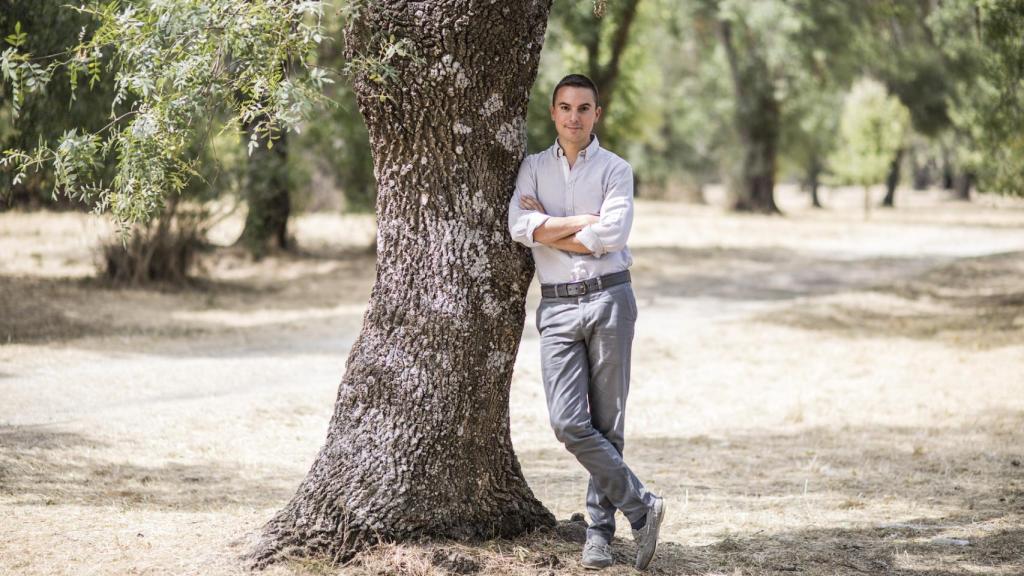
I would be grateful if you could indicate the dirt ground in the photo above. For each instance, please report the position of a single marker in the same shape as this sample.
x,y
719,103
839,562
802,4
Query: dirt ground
x,y
813,394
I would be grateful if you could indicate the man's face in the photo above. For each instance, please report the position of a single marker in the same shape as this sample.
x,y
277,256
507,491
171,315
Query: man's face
x,y
574,114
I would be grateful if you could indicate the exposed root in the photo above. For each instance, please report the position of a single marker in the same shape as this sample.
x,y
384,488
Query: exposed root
x,y
339,541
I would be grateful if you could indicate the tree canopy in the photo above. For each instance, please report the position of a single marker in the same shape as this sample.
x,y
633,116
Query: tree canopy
x,y
697,92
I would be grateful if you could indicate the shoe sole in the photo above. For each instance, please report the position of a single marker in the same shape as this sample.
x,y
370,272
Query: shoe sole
x,y
659,515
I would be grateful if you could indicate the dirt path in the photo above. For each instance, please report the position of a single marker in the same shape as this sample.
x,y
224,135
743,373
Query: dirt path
x,y
814,394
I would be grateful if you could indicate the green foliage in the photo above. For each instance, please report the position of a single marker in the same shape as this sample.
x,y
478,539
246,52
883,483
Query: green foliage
x,y
810,129
378,68
668,108
580,39
175,64
337,143
786,60
873,127
48,114
903,54
24,74
138,85
987,107
690,107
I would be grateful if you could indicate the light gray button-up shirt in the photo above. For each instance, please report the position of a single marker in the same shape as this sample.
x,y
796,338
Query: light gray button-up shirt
x,y
599,183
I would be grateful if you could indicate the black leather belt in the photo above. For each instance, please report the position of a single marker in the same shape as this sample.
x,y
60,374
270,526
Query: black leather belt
x,y
584,286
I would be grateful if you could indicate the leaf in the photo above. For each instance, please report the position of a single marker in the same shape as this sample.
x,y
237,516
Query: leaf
x,y
18,38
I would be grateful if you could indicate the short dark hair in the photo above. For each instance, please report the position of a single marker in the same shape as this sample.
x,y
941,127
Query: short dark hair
x,y
578,81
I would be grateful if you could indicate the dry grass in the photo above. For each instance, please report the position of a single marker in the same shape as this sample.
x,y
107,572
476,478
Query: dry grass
x,y
814,394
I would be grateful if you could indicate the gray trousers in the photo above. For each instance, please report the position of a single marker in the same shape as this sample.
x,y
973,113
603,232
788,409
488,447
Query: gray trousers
x,y
585,344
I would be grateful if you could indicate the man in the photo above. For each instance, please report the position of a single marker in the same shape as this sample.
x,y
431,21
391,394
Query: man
x,y
573,205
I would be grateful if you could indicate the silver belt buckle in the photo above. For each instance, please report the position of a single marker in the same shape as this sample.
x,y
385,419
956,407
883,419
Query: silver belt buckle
x,y
576,288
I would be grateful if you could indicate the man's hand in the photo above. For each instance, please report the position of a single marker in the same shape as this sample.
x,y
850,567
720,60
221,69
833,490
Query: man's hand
x,y
570,244
531,203
557,232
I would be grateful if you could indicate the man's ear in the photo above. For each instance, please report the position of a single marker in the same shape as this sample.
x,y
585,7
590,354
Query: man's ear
x,y
552,110
597,114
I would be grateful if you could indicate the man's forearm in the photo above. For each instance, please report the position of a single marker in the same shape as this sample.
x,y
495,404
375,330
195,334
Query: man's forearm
x,y
558,228
569,244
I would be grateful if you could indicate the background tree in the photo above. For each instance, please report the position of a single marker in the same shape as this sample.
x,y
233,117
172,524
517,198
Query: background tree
x,y
774,50
810,128
756,108
47,115
872,128
337,144
603,32
682,150
178,68
904,56
267,189
988,107
671,108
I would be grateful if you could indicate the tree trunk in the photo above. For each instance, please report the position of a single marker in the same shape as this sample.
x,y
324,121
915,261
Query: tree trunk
x,y
419,442
606,76
964,182
892,180
814,179
757,119
268,197
947,169
922,174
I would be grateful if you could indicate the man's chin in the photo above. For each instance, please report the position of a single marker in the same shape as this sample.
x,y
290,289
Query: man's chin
x,y
576,138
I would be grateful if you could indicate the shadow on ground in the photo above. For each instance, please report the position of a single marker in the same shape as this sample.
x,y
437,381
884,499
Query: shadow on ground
x,y
863,480
41,466
978,302
53,310
877,550
46,310
912,548
763,274
871,482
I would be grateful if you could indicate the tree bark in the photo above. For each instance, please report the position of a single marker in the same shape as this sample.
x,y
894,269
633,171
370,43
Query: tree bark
x,y
758,121
964,183
814,180
892,180
419,442
922,173
947,169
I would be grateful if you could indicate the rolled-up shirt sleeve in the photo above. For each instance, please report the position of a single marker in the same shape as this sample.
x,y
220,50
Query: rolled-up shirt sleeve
x,y
610,233
522,223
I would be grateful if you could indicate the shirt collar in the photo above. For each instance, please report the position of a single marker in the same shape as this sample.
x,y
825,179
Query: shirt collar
x,y
589,151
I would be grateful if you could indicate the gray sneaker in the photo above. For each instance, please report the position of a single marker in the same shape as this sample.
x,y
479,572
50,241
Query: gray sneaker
x,y
646,538
596,555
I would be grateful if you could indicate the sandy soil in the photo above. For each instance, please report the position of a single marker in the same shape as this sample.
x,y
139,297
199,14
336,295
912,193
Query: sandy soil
x,y
813,394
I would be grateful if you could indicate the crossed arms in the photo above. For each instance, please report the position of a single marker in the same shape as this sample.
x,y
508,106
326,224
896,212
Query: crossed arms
x,y
558,231
595,234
